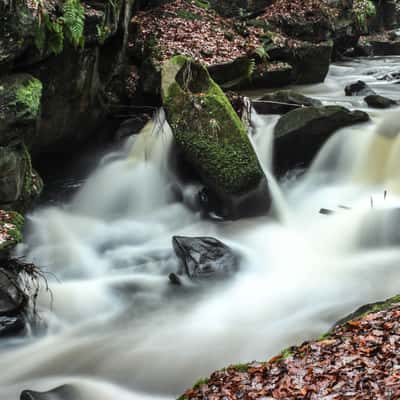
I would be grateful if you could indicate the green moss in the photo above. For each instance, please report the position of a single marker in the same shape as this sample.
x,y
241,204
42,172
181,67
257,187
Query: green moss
x,y
208,129
184,14
202,4
240,367
200,382
51,31
29,96
287,353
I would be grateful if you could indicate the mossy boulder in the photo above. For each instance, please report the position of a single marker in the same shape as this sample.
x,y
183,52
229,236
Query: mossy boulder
x,y
11,225
20,105
213,139
19,182
300,134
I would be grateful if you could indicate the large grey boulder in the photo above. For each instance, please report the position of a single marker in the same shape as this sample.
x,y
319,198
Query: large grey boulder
x,y
299,134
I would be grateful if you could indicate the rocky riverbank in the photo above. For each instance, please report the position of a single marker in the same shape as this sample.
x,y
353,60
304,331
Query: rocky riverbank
x,y
356,360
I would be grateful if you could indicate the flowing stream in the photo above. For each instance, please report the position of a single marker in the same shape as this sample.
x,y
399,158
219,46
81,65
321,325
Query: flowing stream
x,y
116,328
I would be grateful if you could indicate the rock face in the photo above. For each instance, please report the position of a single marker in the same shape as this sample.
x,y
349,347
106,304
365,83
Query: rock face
x,y
12,301
283,101
205,258
299,134
377,101
358,88
19,182
213,139
65,392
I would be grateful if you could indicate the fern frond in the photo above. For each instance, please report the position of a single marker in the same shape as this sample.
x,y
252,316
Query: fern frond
x,y
74,22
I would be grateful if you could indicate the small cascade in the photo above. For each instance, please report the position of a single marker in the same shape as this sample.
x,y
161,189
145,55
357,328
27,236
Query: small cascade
x,y
117,328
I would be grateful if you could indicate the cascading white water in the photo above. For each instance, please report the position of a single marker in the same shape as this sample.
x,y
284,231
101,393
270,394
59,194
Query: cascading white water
x,y
118,330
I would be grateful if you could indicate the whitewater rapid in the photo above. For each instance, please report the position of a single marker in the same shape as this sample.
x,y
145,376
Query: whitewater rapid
x,y
116,329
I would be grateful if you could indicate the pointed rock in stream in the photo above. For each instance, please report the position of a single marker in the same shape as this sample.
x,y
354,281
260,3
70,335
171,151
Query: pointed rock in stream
x,y
358,88
204,258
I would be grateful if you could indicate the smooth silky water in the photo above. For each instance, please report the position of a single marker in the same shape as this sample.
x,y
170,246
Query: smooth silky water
x,y
116,329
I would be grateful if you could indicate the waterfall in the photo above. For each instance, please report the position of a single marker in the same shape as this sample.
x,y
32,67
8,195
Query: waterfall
x,y
118,330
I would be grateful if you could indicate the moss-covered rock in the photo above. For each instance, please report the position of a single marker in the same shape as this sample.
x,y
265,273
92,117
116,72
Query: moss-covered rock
x,y
299,134
19,182
212,138
11,225
20,104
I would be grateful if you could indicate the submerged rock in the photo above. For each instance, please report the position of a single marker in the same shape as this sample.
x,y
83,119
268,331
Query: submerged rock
x,y
299,134
377,101
11,326
65,392
358,88
204,258
283,101
213,140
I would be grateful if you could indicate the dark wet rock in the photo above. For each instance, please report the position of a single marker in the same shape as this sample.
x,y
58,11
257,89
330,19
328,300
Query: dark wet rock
x,y
12,299
213,140
11,326
358,88
204,258
233,73
20,184
283,101
65,392
386,44
310,61
300,134
132,126
377,101
266,75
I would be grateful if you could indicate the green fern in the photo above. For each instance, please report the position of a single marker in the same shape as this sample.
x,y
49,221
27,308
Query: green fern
x,y
49,34
74,22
